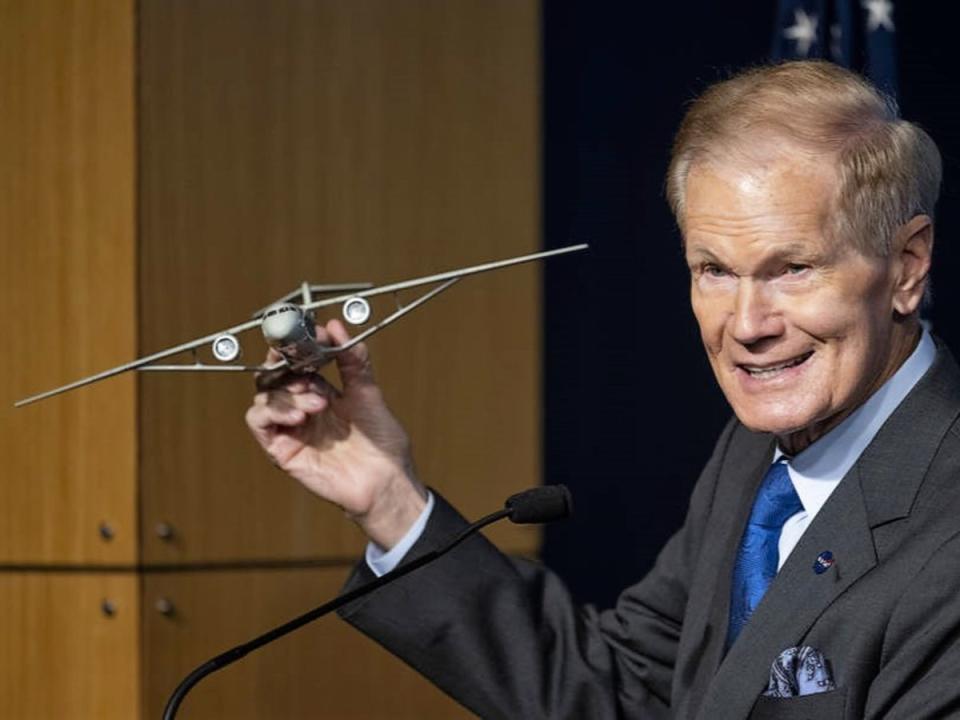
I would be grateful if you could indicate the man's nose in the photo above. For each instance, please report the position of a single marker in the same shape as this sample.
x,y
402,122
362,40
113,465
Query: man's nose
x,y
755,314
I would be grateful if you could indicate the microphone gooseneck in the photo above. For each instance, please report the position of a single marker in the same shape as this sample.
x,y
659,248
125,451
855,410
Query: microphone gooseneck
x,y
536,505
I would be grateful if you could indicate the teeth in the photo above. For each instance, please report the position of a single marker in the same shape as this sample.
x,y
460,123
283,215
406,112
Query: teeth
x,y
771,371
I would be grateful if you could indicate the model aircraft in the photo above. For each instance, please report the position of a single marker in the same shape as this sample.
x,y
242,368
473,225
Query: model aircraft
x,y
288,326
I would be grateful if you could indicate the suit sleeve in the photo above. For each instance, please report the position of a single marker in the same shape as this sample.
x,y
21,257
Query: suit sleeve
x,y
504,638
918,678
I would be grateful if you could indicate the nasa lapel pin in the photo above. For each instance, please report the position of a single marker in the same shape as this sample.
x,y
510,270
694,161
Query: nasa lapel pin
x,y
823,562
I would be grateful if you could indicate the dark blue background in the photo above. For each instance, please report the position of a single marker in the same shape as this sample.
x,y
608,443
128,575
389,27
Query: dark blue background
x,y
631,410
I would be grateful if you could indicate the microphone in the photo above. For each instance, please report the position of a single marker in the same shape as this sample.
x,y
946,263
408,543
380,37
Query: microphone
x,y
540,505
536,505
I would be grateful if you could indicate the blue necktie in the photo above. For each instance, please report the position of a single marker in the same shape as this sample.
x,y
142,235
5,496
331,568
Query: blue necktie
x,y
758,556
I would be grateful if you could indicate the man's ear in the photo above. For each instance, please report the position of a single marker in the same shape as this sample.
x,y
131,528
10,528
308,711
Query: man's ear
x,y
912,255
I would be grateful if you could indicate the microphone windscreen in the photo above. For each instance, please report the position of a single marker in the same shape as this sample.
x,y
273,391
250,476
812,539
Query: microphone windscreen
x,y
540,504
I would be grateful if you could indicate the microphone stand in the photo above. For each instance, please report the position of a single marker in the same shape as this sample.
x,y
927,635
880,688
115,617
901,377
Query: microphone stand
x,y
523,507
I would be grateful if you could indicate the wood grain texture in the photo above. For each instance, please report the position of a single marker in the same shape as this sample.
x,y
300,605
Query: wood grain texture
x,y
68,279
61,656
278,141
325,670
337,141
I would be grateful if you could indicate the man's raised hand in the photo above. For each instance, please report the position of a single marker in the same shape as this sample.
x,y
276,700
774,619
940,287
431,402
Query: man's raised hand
x,y
344,445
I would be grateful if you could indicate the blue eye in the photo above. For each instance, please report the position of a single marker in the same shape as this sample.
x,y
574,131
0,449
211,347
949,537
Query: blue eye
x,y
795,269
714,271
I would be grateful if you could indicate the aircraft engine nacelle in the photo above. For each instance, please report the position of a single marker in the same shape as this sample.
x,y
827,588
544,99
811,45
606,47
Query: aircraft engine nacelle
x,y
356,310
225,347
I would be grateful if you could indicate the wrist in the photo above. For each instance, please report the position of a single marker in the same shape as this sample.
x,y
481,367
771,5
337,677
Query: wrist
x,y
394,511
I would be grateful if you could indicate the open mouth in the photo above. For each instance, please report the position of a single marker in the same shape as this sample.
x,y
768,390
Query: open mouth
x,y
769,371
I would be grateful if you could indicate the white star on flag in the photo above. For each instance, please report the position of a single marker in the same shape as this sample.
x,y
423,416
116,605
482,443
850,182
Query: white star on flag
x,y
804,30
836,37
881,14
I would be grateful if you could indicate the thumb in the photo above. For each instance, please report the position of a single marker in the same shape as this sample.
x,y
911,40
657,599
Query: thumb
x,y
354,364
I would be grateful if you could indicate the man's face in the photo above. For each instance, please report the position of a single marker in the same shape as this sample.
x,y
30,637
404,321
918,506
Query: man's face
x,y
799,328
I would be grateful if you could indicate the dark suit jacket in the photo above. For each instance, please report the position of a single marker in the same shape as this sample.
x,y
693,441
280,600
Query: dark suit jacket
x,y
504,638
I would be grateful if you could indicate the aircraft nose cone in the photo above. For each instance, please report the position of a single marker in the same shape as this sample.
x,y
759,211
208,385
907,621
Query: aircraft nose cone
x,y
283,326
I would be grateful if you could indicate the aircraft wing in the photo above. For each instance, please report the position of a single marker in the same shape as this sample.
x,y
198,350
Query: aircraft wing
x,y
225,346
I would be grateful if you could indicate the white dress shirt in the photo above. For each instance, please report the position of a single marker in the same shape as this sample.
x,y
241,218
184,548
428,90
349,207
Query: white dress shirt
x,y
382,561
815,472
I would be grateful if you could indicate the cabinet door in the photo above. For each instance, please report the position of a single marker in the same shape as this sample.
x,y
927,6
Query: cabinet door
x,y
67,281
69,646
324,670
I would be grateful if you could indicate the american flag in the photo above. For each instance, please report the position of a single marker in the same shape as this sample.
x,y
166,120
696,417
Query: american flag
x,y
858,34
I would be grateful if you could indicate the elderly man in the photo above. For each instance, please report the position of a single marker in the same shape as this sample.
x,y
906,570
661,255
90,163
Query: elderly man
x,y
817,571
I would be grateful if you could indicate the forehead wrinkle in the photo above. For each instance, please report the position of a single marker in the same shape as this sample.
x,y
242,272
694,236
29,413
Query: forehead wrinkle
x,y
758,224
797,239
766,252
792,224
768,219
783,206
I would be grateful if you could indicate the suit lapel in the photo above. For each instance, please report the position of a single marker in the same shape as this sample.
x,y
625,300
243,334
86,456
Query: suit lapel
x,y
892,468
880,488
725,530
710,596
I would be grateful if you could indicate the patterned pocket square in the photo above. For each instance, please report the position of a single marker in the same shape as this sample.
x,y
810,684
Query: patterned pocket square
x,y
799,671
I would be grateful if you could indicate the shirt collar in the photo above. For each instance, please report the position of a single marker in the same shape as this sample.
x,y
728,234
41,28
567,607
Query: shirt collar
x,y
818,470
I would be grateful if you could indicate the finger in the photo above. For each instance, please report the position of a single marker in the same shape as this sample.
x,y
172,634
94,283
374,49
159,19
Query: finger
x,y
301,385
264,420
282,378
311,402
354,364
322,336
282,447
314,398
271,379
320,385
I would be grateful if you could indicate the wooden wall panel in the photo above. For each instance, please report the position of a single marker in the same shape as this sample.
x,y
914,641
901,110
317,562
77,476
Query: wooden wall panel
x,y
280,141
68,278
337,141
325,670
61,656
